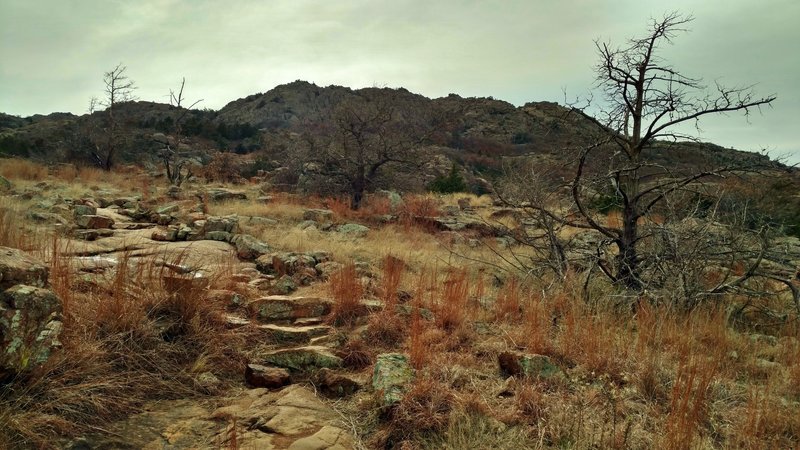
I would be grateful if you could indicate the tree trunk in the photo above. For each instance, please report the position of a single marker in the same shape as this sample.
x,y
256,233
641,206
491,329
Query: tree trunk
x,y
357,188
628,258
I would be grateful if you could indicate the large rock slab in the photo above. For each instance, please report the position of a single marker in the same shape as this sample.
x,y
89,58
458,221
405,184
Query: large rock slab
x,y
293,334
30,323
18,267
292,418
302,359
281,307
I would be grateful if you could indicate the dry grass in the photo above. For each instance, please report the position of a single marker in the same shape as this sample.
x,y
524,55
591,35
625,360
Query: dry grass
x,y
22,169
346,290
450,310
657,377
128,337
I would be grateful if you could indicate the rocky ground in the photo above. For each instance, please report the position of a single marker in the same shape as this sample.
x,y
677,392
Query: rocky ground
x,y
417,345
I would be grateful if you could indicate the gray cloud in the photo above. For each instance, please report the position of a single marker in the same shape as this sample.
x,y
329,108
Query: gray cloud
x,y
55,51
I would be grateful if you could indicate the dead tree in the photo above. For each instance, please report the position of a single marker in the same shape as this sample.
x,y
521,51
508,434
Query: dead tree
x,y
173,165
118,89
363,137
646,102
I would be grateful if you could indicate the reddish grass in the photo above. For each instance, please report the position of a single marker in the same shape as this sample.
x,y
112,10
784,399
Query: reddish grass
x,y
393,269
508,304
346,289
688,409
450,312
537,327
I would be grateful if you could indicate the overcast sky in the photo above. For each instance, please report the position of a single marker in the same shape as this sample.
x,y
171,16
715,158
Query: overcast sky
x,y
53,52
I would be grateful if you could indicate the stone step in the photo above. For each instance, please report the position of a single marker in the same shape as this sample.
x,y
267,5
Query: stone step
x,y
284,308
302,359
294,334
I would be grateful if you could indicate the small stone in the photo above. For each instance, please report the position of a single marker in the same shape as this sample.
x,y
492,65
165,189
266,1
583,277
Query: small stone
x,y
353,229
84,210
259,376
318,215
335,385
167,210
208,382
283,286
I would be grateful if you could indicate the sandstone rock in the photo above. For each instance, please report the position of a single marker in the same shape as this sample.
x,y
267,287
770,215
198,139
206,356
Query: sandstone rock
x,y
327,438
18,267
261,221
353,229
44,217
293,334
302,359
335,385
169,209
292,417
318,215
92,235
328,268
391,377
529,365
280,307
84,210
284,263
260,376
94,222
283,286
165,235
248,247
228,224
219,236
220,194
122,201
30,323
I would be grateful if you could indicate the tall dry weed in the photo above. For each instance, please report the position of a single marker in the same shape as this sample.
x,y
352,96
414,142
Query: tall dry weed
x,y
346,289
451,309
689,401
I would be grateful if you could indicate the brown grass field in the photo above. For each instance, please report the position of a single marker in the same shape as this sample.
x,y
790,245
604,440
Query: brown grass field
x,y
653,376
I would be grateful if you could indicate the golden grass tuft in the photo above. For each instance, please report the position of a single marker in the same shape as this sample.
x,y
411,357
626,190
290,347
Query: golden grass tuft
x,y
22,169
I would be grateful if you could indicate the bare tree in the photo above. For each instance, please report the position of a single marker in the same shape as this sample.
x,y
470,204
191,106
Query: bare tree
x,y
647,101
118,88
364,136
173,165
